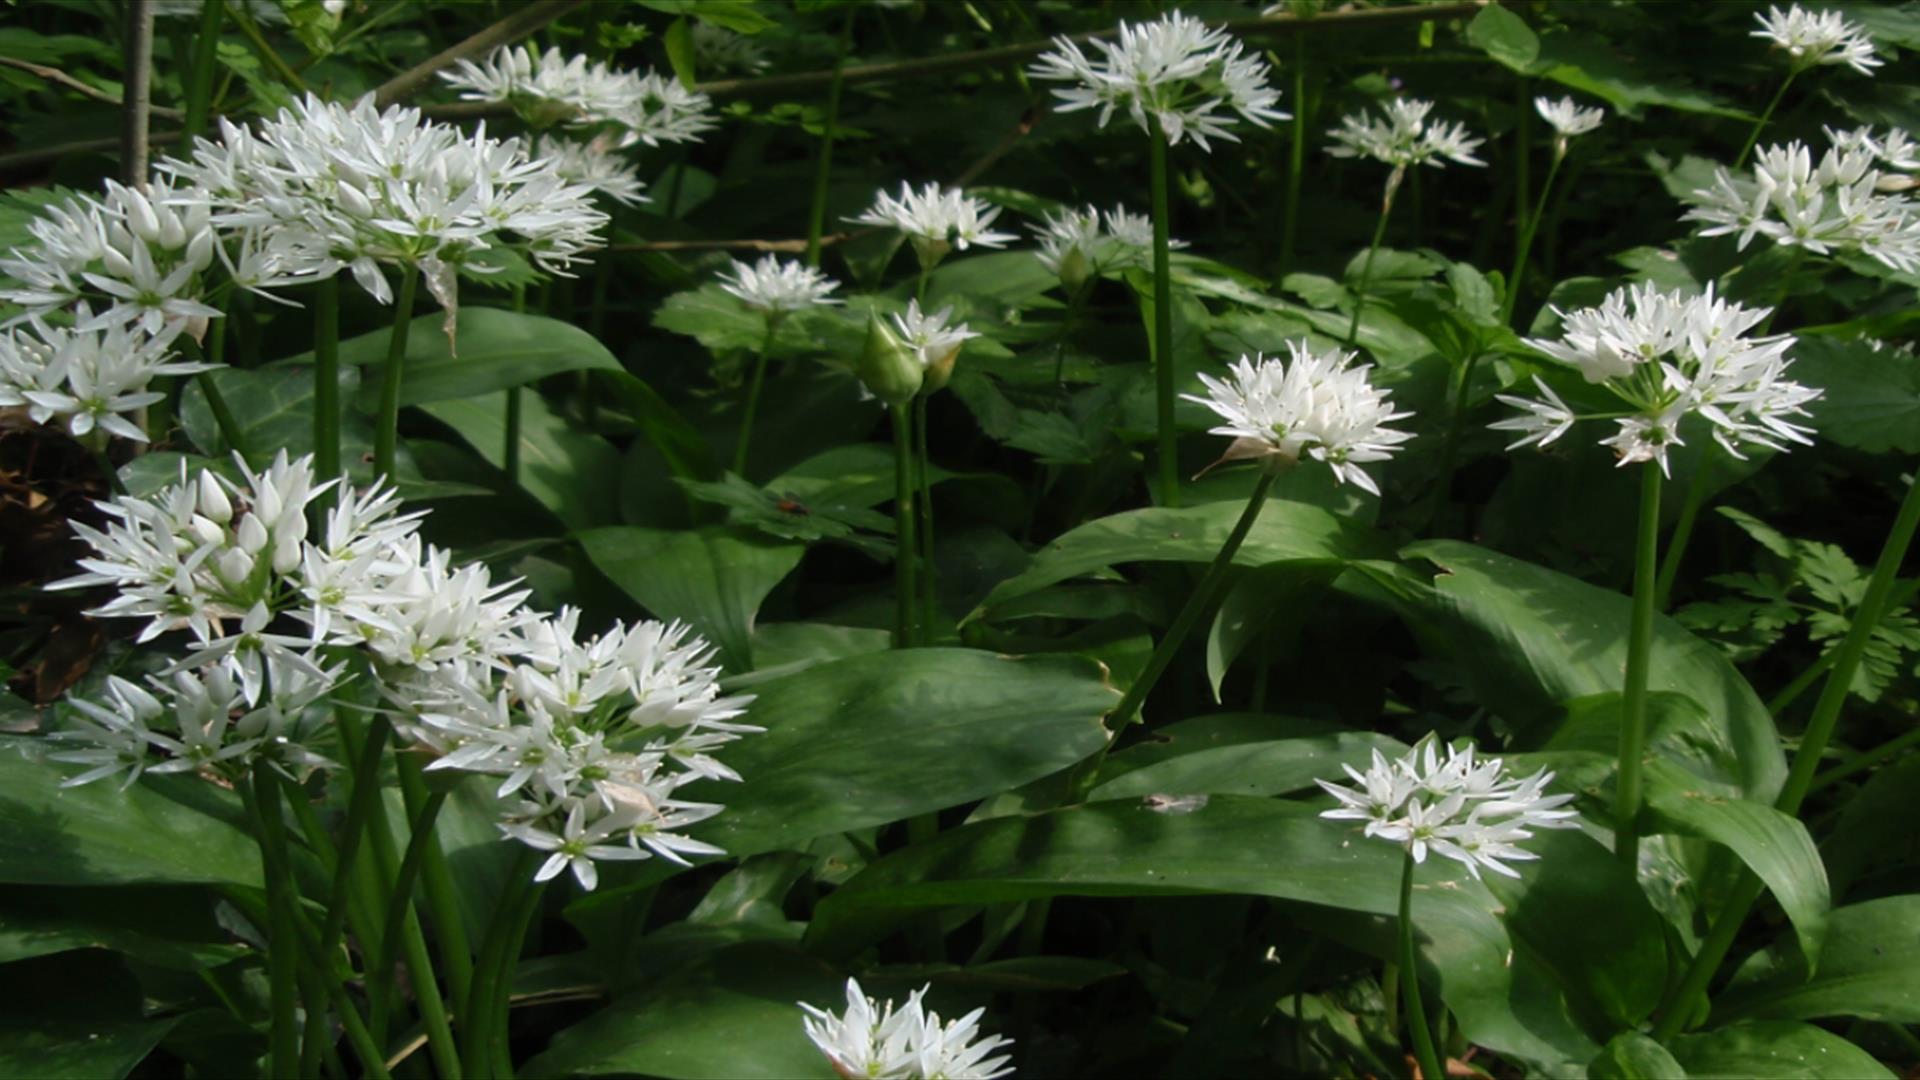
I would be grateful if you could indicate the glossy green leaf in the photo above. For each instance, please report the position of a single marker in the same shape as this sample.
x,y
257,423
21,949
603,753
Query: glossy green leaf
x,y
1867,969
1236,755
1255,601
714,578
1585,63
162,829
1776,846
1584,955
879,738
167,926
570,472
1633,1056
1870,398
1284,531
1775,1050
1530,639
77,1050
496,349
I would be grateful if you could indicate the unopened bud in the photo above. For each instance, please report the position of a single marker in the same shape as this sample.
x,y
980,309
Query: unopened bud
x,y
251,535
234,567
1075,268
940,369
888,365
213,499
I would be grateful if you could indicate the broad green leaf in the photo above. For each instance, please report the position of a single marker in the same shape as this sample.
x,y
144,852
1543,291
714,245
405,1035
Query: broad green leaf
x,y
881,737
1012,278
1531,639
1870,399
685,450
1584,63
1875,826
714,578
1236,755
1257,599
570,472
678,41
1775,845
1504,36
783,648
1633,1056
718,320
496,349
1284,530
167,926
1867,969
77,1050
1583,958
162,829
1775,1050
740,16
732,1013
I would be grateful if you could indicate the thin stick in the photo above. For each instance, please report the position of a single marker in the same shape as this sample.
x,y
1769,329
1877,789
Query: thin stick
x,y
138,99
55,75
505,32
923,481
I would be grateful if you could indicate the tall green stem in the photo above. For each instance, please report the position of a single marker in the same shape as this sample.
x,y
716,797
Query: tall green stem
x,y
1366,268
326,389
366,789
923,484
486,1004
386,432
1527,231
401,927
1163,318
510,453
1674,1012
823,158
223,416
206,63
1760,124
753,394
1296,152
456,955
1202,598
1633,719
1683,526
262,801
1417,1025
905,547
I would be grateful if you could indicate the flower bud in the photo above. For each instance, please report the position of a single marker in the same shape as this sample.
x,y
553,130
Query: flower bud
x,y
888,365
206,531
940,369
213,499
234,567
1075,268
354,201
286,553
251,535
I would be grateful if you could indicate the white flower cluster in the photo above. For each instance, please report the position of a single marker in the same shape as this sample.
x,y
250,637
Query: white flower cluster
x,y
934,343
129,272
778,286
1837,205
1464,809
936,220
141,254
332,186
592,164
87,379
872,1041
1665,356
1811,38
593,736
1316,404
1404,137
1175,72
1079,242
553,88
1567,118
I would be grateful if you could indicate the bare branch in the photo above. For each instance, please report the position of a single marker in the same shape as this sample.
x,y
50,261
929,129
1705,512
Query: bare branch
x,y
55,75
505,32
137,103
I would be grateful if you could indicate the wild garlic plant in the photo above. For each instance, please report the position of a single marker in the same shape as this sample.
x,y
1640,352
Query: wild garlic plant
x,y
1177,78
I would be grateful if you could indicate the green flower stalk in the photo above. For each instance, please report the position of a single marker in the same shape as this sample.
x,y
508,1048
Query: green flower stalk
x,y
1175,77
1402,138
776,289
